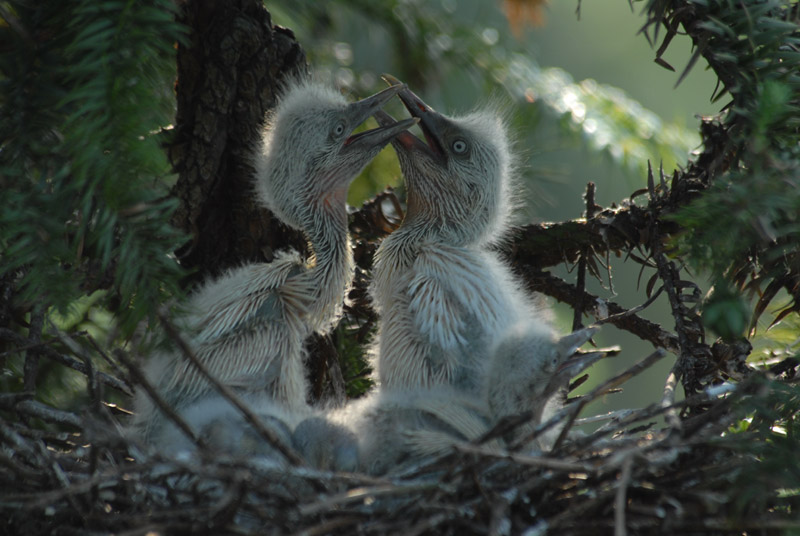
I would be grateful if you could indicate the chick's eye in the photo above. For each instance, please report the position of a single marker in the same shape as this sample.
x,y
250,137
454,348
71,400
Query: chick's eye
x,y
459,147
338,130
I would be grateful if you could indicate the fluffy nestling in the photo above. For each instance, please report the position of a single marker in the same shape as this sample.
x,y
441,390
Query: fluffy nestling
x,y
452,313
249,325
444,297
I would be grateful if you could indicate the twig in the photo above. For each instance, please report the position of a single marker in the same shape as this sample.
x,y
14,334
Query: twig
x,y
426,525
268,435
25,348
9,400
719,407
19,445
31,367
360,494
92,385
41,411
666,271
604,387
612,319
691,349
531,461
27,474
668,399
580,283
102,353
611,415
68,361
162,404
328,527
620,501
59,475
96,397
567,293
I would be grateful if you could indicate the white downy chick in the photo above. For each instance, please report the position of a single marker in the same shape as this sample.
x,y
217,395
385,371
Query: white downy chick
x,y
248,326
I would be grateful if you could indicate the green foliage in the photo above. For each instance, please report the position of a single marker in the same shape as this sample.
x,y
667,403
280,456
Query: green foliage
x,y
608,120
747,208
781,341
726,314
350,346
769,434
744,229
84,87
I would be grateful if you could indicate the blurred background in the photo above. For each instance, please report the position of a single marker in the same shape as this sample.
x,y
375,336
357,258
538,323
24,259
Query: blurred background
x,y
585,100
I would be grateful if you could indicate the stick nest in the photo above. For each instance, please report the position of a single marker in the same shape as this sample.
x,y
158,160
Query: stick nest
x,y
77,473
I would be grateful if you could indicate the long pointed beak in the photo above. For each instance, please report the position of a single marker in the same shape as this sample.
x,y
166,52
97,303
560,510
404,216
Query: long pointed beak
x,y
377,137
429,119
361,110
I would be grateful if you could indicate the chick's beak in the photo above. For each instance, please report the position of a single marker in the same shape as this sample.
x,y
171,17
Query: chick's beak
x,y
430,122
377,137
405,138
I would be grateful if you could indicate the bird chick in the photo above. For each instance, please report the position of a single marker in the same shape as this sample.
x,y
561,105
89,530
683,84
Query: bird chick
x,y
444,298
326,444
225,432
529,372
387,429
248,326
451,311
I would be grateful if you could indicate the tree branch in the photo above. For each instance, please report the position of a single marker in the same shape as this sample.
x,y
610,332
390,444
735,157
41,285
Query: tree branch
x,y
620,317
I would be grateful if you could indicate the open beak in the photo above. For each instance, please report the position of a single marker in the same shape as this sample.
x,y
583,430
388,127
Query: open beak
x,y
429,122
361,110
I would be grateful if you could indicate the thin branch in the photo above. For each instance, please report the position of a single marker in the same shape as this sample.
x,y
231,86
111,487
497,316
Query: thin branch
x,y
571,411
162,404
620,502
31,367
32,408
268,435
565,292
611,319
604,387
561,464
68,361
668,400
691,345
577,322
360,494
102,353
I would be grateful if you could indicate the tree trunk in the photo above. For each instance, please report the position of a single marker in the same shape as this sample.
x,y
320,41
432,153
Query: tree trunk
x,y
230,71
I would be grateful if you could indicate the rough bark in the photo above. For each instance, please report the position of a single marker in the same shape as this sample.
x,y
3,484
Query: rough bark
x,y
229,74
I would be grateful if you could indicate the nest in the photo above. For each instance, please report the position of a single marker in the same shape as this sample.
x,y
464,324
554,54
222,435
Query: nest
x,y
80,474
708,464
